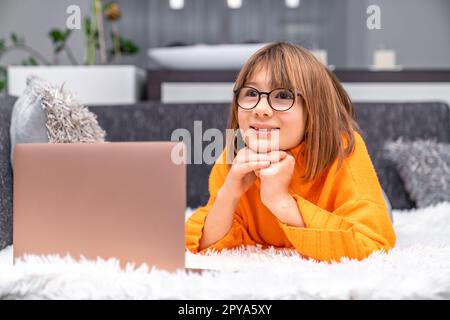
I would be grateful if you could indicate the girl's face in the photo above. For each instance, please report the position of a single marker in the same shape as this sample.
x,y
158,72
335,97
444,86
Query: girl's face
x,y
265,129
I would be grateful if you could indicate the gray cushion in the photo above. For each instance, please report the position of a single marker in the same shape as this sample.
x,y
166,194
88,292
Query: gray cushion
x,y
49,113
381,122
28,117
6,191
424,166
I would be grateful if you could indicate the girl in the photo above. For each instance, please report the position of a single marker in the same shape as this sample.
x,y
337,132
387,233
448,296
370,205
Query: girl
x,y
304,178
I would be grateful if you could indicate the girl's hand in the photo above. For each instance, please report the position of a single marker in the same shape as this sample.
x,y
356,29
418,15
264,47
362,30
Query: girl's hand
x,y
242,173
275,181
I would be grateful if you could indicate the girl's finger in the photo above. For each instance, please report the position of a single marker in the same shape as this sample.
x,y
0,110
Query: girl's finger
x,y
273,156
253,157
247,167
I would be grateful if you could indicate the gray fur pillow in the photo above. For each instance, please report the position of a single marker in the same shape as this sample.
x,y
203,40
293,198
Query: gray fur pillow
x,y
48,113
424,166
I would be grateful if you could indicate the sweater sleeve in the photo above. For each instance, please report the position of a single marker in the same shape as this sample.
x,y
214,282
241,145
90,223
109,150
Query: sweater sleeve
x,y
359,222
354,230
236,236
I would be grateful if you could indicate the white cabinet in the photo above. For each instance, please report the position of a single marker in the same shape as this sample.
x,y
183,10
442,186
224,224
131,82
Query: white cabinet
x,y
91,85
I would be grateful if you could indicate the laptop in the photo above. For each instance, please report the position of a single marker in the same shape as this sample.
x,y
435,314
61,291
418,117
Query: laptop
x,y
125,200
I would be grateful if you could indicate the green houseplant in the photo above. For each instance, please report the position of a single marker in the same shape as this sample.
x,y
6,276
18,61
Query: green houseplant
x,y
93,41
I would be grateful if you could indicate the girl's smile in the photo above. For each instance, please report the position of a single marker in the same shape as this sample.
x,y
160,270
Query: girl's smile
x,y
262,130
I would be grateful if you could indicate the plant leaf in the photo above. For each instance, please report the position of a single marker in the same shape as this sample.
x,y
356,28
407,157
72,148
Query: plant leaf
x,y
87,26
33,61
56,35
3,78
14,38
128,47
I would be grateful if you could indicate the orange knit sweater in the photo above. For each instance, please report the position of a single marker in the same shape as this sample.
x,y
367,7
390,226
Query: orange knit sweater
x,y
344,212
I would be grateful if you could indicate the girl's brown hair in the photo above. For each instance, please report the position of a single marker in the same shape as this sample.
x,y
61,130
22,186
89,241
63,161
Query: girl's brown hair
x,y
328,110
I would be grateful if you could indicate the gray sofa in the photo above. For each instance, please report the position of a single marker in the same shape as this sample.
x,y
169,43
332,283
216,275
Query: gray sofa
x,y
150,121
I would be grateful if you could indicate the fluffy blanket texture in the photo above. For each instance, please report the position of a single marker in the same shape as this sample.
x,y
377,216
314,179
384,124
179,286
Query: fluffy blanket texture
x,y
417,268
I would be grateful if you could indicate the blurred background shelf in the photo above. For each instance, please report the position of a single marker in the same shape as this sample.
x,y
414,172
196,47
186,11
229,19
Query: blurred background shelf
x,y
186,86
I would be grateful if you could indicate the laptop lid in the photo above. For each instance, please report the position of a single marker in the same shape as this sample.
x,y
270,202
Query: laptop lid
x,y
122,199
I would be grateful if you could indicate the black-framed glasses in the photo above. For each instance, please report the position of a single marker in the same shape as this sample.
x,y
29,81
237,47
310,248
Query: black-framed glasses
x,y
279,99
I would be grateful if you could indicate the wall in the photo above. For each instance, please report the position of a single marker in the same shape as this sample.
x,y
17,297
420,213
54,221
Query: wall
x,y
33,19
419,30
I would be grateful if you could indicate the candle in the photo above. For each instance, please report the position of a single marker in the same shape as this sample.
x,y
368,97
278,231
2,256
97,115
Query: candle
x,y
384,59
321,55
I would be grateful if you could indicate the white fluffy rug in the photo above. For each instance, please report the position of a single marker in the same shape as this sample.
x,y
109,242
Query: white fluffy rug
x,y
418,268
